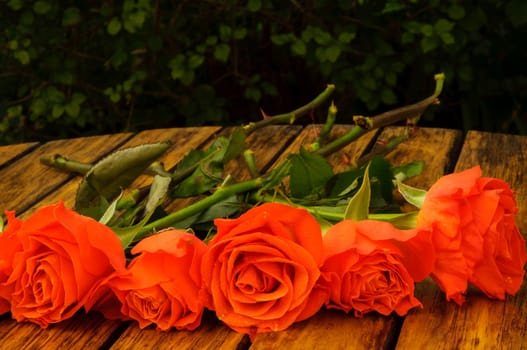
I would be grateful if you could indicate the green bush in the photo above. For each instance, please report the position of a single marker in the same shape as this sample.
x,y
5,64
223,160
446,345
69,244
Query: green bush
x,y
77,68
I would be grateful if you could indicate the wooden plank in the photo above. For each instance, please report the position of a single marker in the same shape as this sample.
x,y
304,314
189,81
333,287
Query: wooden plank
x,y
480,323
10,152
83,332
436,147
331,329
211,335
26,180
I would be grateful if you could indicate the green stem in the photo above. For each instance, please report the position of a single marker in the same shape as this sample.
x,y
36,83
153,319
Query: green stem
x,y
353,134
201,205
406,112
324,133
62,163
400,220
250,161
292,116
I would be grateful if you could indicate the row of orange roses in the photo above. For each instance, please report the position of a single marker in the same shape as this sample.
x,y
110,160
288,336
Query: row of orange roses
x,y
268,268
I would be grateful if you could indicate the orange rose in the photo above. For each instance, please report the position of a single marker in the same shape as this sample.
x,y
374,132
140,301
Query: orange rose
x,y
475,235
261,268
364,270
54,260
9,246
162,285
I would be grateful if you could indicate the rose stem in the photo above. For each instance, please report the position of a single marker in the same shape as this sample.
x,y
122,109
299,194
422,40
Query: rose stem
x,y
292,116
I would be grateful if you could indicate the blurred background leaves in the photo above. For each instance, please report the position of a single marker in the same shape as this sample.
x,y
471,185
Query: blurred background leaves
x,y
79,68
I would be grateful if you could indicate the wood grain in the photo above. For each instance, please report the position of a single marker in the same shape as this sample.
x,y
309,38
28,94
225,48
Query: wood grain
x,y
81,332
10,152
26,181
211,335
331,329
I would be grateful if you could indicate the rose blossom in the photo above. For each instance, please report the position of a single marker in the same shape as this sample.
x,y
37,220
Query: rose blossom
x,y
162,284
364,269
261,268
475,235
53,261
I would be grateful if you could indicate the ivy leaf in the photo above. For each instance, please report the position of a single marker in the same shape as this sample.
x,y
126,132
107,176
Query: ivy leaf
x,y
359,205
110,175
254,5
71,16
222,52
114,26
309,173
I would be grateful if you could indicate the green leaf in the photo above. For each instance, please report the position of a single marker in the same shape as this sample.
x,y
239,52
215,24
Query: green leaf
x,y
408,170
443,25
254,5
359,205
110,175
308,174
516,10
298,47
239,34
114,26
41,7
412,195
343,183
22,56
332,53
447,38
71,16
222,52
428,44
380,174
456,12
393,6
388,97
15,5
158,192
110,211
427,30
72,109
195,60
235,146
211,163
57,111
282,39
346,37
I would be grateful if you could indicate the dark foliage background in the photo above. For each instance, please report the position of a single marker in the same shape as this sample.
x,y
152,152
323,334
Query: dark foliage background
x,y
70,68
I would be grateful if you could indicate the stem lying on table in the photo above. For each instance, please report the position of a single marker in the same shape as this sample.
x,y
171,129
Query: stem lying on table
x,y
406,112
201,205
292,116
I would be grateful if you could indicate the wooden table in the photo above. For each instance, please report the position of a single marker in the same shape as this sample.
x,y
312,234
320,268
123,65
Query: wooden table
x,y
479,324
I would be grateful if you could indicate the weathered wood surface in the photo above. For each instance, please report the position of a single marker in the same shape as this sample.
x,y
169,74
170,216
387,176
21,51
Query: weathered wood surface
x,y
479,324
